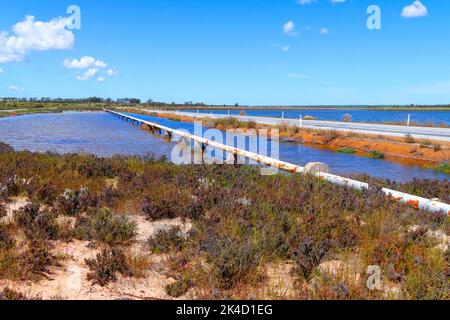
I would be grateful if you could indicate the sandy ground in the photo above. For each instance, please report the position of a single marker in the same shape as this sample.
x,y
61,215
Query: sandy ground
x,y
69,281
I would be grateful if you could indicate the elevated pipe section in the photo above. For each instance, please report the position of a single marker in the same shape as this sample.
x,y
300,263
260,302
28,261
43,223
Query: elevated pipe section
x,y
414,201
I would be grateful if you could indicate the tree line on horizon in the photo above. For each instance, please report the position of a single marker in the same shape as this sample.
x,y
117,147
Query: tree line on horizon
x,y
151,102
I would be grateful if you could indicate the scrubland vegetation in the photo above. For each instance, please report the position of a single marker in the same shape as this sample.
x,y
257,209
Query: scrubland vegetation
x,y
241,235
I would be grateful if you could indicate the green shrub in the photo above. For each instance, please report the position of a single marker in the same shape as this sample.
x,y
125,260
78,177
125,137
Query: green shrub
x,y
233,261
179,288
101,225
166,240
347,150
376,154
444,167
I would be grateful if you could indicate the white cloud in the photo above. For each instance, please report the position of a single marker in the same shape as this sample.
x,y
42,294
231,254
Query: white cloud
x,y
415,10
289,28
88,74
1,71
286,48
15,88
324,31
31,35
84,63
338,1
91,68
112,72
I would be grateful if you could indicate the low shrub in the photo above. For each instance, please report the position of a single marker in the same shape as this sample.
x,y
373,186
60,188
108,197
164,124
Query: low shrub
x,y
444,167
75,202
11,295
106,265
6,239
167,240
46,194
437,147
101,225
233,261
138,264
347,150
37,260
36,223
179,288
376,154
161,205
309,255
329,135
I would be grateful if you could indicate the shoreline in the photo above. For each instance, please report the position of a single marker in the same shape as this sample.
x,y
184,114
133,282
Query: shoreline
x,y
420,152
427,154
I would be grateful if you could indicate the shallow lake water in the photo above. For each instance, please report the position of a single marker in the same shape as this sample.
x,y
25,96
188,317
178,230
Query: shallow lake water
x,y
105,135
422,117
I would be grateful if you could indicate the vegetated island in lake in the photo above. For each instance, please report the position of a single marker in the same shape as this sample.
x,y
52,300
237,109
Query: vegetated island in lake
x,y
83,227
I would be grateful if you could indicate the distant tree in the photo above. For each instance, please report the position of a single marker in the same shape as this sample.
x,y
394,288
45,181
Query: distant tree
x,y
134,101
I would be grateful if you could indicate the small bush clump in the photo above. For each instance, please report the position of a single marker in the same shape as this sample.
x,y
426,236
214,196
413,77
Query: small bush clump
x,y
107,264
6,239
179,288
36,223
37,260
167,240
347,150
11,295
376,154
233,261
75,202
101,225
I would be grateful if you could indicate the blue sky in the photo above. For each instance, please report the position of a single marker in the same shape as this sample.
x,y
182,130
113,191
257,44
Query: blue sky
x,y
257,52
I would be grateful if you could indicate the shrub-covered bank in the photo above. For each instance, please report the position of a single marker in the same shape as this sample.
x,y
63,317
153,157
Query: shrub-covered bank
x,y
250,236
